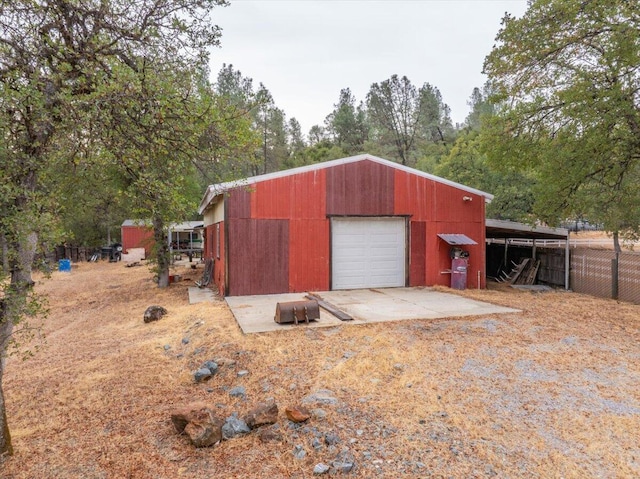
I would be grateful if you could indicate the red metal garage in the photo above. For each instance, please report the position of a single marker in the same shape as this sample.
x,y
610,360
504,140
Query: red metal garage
x,y
356,222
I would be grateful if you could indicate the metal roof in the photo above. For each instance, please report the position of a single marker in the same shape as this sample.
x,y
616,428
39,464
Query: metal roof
x,y
511,229
136,223
217,189
457,239
184,226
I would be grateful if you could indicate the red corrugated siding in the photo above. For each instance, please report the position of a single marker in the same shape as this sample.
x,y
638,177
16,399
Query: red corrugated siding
x,y
450,205
258,256
418,251
444,210
137,237
209,241
441,252
238,203
219,262
362,188
299,197
210,251
413,196
308,255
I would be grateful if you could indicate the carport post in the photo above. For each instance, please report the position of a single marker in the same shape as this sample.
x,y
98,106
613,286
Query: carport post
x,y
506,250
533,249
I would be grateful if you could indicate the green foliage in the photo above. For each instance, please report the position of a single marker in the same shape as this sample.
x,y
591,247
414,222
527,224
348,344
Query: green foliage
x,y
348,125
513,190
404,117
566,78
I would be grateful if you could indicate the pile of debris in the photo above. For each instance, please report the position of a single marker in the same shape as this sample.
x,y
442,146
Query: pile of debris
x,y
523,273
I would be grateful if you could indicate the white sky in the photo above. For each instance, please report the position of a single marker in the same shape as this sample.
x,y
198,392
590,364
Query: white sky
x,y
306,51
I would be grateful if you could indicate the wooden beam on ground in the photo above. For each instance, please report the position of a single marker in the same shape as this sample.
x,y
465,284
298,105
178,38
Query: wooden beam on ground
x,y
338,313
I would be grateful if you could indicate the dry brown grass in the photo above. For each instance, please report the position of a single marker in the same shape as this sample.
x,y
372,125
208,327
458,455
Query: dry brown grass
x,y
549,392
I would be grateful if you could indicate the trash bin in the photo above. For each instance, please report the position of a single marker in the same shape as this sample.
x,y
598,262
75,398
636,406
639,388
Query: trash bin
x,y
64,265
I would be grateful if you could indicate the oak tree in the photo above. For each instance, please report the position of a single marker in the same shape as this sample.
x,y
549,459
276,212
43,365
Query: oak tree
x,y
566,81
54,56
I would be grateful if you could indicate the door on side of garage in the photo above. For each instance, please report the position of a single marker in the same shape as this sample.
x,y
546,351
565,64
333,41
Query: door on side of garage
x,y
368,252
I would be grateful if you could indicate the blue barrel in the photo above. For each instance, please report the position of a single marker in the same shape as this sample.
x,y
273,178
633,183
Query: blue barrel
x,y
64,265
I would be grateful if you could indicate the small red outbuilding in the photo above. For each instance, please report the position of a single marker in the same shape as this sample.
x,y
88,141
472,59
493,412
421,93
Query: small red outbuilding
x,y
357,222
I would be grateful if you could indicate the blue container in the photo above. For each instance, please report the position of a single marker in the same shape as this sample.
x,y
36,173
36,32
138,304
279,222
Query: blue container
x,y
64,265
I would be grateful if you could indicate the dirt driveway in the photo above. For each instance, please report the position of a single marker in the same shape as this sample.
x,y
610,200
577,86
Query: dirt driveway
x,y
552,391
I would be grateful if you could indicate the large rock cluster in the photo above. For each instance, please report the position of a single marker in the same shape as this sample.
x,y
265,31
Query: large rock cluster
x,y
199,422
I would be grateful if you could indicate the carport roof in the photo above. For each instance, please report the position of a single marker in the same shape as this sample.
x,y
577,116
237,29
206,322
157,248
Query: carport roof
x,y
510,229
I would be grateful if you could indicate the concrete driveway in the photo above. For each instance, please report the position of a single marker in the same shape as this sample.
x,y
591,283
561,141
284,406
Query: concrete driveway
x,y
255,313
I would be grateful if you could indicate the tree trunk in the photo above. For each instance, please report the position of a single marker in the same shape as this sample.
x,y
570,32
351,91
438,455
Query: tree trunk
x,y
11,310
163,258
5,253
6,449
616,242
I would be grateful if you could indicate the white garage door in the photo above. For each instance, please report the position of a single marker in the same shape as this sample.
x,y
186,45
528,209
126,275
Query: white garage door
x,y
368,252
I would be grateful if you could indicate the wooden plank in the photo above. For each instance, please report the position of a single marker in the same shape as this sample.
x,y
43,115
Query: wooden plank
x,y
338,313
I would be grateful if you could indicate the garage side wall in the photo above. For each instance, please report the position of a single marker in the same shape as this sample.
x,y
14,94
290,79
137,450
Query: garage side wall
x,y
137,237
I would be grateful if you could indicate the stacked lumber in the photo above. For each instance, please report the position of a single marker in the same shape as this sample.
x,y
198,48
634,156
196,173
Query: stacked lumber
x,y
524,272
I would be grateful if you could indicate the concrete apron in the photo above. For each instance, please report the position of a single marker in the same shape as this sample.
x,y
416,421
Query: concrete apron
x,y
255,313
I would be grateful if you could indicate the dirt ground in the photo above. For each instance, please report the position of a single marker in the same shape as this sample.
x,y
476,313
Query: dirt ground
x,y
552,391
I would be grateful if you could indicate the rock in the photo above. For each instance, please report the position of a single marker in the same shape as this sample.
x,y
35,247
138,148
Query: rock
x,y
319,413
299,452
198,421
211,366
320,469
270,434
297,413
321,396
238,392
233,427
344,462
262,414
185,340
242,373
202,374
154,313
331,439
316,444
225,362
167,347
181,416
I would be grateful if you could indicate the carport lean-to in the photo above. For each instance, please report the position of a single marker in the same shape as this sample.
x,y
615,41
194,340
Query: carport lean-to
x,y
508,241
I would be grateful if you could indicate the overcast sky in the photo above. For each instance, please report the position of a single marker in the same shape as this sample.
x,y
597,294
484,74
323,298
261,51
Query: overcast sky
x,y
306,51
